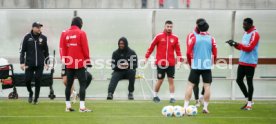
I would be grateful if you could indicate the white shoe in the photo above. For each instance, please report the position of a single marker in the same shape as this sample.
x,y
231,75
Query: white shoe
x,y
85,110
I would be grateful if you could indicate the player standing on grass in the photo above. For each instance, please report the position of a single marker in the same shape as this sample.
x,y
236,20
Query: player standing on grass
x,y
167,45
248,59
34,46
189,38
75,55
199,54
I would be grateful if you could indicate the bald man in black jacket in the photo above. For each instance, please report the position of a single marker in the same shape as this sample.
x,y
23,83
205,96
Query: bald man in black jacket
x,y
124,64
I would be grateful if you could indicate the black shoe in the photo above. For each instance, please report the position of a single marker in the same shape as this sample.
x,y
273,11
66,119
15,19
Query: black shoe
x,y
110,96
156,99
30,100
130,96
243,106
69,110
35,102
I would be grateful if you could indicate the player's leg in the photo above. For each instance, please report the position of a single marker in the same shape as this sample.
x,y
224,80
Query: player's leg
x,y
249,77
70,79
206,97
80,73
64,79
29,73
38,78
88,79
160,79
116,77
240,82
170,75
192,81
196,95
207,80
131,78
202,91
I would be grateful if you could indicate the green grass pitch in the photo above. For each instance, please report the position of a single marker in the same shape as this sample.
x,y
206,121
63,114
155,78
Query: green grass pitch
x,y
131,112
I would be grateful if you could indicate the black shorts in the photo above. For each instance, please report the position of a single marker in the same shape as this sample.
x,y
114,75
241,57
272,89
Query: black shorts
x,y
194,76
162,71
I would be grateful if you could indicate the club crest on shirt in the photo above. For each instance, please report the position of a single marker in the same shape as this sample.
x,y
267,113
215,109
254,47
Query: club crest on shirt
x,y
67,38
40,40
171,40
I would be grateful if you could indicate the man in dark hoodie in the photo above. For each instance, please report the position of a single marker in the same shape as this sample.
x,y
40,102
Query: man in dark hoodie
x,y
33,53
124,64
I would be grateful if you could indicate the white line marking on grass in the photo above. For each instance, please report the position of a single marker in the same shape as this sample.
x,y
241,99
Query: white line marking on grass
x,y
191,117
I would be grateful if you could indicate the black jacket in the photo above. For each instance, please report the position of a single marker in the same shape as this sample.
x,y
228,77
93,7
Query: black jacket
x,y
35,48
126,54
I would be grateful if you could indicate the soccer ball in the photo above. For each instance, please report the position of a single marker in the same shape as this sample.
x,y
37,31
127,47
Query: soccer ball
x,y
167,111
178,111
191,110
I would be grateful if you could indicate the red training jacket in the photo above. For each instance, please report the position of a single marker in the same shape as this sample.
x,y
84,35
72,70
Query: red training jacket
x,y
74,44
167,44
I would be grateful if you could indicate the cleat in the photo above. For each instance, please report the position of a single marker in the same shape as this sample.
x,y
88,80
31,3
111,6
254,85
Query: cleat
x,y
172,100
243,106
130,96
69,110
247,108
156,99
205,111
30,100
110,96
85,110
35,102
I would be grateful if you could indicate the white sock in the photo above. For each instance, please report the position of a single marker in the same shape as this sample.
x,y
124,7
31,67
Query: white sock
x,y
205,105
201,97
172,95
68,104
249,103
186,104
82,105
155,94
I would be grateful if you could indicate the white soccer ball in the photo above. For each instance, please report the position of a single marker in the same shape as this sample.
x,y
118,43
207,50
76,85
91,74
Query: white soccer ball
x,y
191,110
167,111
178,111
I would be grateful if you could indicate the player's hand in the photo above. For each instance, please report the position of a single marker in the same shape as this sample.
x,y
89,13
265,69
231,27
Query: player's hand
x,y
178,65
146,61
23,67
232,43
46,66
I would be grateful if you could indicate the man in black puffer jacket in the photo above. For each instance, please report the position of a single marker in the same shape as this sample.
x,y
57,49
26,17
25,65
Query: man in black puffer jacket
x,y
124,64
33,55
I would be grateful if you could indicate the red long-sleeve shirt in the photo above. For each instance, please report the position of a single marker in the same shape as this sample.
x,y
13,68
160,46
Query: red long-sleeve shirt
x,y
74,49
167,45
